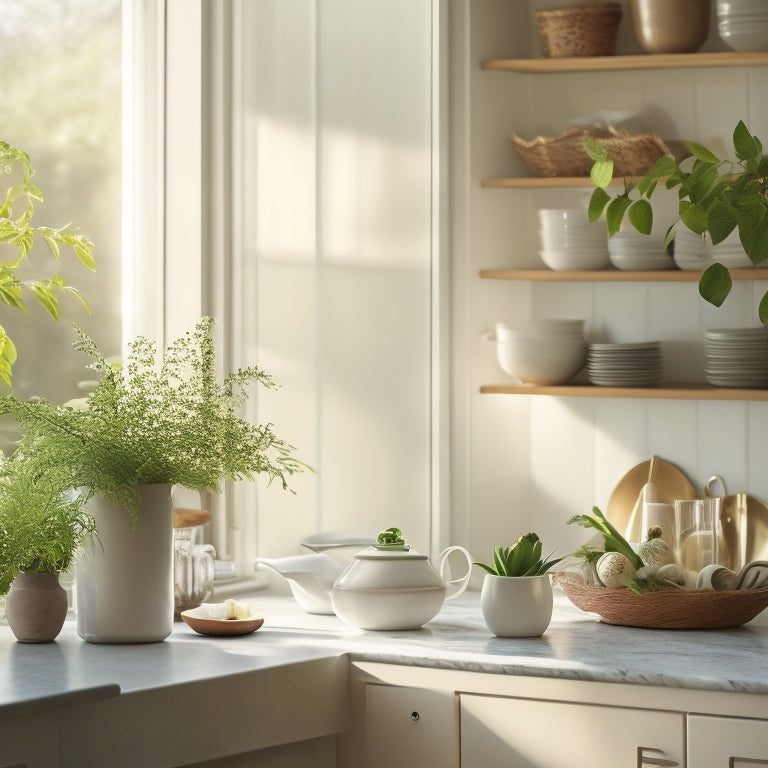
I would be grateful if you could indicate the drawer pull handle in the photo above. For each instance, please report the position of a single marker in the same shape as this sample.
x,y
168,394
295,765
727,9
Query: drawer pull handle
x,y
650,757
415,716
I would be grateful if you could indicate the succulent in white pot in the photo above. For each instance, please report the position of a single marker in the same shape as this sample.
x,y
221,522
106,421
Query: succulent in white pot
x,y
516,596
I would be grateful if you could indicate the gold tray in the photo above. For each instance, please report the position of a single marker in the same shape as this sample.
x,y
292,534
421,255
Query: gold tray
x,y
668,608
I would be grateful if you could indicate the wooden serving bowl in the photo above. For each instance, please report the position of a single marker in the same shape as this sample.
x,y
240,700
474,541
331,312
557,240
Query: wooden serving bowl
x,y
667,608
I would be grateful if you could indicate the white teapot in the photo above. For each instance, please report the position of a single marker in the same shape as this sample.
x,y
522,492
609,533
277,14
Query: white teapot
x,y
392,587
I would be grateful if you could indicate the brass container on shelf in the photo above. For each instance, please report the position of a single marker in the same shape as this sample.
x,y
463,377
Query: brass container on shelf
x,y
671,26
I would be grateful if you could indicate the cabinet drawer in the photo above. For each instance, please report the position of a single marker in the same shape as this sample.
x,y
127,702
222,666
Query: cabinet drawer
x,y
726,742
523,733
410,727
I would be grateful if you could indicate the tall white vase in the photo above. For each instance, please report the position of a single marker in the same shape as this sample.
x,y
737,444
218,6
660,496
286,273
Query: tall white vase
x,y
124,581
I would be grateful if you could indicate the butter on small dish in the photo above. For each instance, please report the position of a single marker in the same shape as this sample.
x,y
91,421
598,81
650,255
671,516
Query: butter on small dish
x,y
227,618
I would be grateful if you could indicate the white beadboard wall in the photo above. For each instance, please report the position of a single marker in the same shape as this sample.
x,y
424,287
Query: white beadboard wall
x,y
523,463
333,100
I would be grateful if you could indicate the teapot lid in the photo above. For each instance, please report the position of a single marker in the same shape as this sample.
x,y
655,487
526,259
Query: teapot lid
x,y
378,552
389,545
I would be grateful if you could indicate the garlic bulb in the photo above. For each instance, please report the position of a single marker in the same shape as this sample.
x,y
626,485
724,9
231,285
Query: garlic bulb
x,y
671,572
614,570
656,551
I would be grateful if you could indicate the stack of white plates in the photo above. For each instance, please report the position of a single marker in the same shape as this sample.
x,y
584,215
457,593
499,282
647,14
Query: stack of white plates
x,y
743,24
625,365
694,251
570,242
635,252
737,357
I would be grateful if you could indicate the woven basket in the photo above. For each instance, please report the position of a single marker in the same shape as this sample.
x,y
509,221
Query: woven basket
x,y
564,155
583,30
669,608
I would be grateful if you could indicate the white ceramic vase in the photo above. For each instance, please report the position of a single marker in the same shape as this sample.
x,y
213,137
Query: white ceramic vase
x,y
124,580
516,606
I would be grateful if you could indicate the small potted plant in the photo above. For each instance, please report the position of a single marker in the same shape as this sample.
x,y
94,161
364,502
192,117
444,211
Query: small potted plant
x,y
716,197
147,426
42,524
17,231
516,596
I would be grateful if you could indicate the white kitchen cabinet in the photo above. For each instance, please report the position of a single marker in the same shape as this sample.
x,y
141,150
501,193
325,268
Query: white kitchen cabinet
x,y
726,742
525,733
29,742
410,727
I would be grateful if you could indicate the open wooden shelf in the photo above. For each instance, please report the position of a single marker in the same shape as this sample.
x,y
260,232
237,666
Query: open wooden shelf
x,y
662,392
617,63
613,275
544,182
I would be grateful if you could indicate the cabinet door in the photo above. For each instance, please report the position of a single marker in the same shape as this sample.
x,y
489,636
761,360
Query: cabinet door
x,y
29,742
726,742
522,733
410,728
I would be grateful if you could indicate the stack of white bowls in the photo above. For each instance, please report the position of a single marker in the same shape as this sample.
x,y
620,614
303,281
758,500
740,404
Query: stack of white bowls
x,y
629,250
543,352
743,24
625,365
737,357
693,252
569,241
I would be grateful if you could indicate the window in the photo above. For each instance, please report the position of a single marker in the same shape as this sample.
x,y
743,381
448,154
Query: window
x,y
61,94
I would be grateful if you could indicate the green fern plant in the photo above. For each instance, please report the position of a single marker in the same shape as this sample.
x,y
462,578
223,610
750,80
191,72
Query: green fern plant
x,y
41,521
520,559
17,232
155,421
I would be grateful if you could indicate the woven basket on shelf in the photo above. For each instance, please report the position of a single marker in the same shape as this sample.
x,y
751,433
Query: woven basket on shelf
x,y
564,155
669,608
583,30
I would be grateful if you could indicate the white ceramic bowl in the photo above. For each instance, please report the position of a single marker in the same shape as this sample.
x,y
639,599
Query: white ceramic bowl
x,y
544,328
542,361
576,260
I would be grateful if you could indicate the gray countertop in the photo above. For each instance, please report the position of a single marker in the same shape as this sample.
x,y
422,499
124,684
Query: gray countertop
x,y
575,646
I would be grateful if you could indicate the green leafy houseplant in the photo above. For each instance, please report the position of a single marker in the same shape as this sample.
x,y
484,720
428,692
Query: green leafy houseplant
x,y
155,421
715,197
18,235
520,559
41,522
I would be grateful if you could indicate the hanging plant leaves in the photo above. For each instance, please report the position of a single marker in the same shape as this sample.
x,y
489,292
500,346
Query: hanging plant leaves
x,y
597,202
614,215
715,284
763,309
746,145
640,216
721,221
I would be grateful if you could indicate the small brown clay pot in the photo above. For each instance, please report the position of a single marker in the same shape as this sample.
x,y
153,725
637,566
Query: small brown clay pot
x,y
36,606
670,26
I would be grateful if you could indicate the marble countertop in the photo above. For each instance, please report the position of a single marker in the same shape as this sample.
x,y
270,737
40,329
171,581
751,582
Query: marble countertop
x,y
575,646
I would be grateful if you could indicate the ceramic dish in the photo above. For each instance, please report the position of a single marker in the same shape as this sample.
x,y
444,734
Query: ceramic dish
x,y
199,619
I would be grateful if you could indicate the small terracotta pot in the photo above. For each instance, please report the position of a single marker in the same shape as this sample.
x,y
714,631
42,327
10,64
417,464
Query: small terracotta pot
x,y
36,607
670,26
516,606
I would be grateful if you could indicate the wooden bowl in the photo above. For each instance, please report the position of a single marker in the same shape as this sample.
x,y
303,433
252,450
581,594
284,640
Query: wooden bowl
x,y
668,608
204,625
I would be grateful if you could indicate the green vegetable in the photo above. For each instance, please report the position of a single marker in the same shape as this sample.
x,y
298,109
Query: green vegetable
x,y
390,536
520,559
613,540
